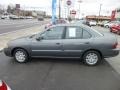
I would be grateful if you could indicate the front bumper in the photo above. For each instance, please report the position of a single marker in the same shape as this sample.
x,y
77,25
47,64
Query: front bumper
x,y
7,52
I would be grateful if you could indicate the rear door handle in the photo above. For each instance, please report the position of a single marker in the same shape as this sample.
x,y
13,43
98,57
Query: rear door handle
x,y
87,43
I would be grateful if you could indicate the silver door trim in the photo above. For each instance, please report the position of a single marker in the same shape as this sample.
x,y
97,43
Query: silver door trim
x,y
72,50
46,50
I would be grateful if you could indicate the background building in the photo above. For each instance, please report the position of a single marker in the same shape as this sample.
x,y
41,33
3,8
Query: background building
x,y
98,18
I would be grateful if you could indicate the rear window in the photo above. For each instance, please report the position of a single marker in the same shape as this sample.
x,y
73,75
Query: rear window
x,y
97,32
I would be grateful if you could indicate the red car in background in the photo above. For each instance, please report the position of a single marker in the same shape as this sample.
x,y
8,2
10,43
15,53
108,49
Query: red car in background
x,y
115,28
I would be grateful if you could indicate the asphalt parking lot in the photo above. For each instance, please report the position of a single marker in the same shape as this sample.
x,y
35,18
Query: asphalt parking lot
x,y
58,74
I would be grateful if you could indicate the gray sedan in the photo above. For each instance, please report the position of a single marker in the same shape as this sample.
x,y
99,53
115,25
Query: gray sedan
x,y
65,41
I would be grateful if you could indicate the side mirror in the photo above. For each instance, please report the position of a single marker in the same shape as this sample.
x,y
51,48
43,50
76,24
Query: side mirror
x,y
39,38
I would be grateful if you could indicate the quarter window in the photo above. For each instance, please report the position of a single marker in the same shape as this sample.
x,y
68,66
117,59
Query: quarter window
x,y
86,34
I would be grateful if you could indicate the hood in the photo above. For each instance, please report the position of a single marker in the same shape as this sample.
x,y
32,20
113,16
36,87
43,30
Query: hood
x,y
20,41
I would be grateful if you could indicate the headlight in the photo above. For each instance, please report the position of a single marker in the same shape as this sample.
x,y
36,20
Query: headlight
x,y
0,83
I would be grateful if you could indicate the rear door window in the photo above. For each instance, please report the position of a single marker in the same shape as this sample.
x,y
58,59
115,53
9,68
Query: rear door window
x,y
73,33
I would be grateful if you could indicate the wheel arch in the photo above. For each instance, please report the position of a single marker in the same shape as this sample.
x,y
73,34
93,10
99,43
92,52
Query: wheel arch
x,y
12,51
93,50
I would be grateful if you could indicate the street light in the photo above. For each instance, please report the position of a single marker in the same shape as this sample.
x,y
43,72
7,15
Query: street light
x,y
79,1
60,9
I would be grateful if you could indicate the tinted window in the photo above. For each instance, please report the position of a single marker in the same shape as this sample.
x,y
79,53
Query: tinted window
x,y
73,33
86,34
53,33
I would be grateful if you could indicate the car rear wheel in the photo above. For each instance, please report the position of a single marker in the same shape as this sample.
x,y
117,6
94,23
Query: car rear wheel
x,y
20,55
91,58
107,26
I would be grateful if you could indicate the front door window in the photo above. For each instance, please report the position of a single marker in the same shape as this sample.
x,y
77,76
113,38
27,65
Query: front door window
x,y
53,33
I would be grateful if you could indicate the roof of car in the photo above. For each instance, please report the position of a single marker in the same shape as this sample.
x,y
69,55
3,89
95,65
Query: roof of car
x,y
74,24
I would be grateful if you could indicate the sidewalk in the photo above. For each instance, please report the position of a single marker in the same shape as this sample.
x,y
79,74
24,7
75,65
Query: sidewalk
x,y
5,38
114,61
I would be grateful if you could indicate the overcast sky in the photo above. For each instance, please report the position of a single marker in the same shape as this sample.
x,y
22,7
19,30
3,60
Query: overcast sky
x,y
87,7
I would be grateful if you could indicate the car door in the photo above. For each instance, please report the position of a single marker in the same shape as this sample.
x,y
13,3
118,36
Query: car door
x,y
76,41
50,44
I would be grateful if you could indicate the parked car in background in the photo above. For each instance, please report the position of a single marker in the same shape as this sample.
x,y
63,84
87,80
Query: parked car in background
x,y
4,86
4,17
115,28
109,24
21,17
29,17
41,18
66,41
57,21
13,17
92,23
101,23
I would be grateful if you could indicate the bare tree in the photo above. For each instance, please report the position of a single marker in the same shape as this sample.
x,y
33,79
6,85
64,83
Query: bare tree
x,y
10,9
1,9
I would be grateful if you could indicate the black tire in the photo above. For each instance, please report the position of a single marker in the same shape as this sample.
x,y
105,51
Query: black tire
x,y
26,56
107,26
110,29
87,62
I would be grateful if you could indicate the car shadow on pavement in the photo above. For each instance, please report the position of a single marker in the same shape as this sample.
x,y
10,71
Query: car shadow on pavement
x,y
60,61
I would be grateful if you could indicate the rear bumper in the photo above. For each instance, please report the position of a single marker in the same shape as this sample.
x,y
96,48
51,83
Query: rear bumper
x,y
7,52
114,29
111,53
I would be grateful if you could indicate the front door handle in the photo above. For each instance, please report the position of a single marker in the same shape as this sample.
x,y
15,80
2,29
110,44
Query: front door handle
x,y
58,43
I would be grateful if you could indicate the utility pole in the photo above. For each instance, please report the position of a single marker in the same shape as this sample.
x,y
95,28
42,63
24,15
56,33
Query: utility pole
x,y
100,9
59,9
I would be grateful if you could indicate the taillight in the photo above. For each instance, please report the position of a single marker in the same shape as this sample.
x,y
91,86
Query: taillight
x,y
115,45
0,83
118,46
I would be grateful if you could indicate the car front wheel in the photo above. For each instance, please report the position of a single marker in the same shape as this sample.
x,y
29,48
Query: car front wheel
x,y
91,58
20,55
107,26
